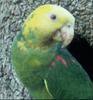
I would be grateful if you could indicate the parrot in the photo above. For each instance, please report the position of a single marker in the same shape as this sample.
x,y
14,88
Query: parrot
x,y
41,60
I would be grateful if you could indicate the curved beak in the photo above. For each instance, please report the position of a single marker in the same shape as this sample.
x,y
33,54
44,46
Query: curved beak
x,y
65,34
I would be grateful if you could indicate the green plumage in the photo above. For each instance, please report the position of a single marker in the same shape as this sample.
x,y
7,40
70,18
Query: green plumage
x,y
30,72
69,81
65,79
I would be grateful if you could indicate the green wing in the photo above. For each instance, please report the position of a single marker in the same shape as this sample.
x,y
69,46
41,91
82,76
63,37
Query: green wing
x,y
62,78
26,64
67,79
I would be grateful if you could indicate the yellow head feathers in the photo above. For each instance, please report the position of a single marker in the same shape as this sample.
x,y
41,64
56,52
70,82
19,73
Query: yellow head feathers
x,y
46,19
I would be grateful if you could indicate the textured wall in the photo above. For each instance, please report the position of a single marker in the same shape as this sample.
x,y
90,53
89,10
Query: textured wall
x,y
12,15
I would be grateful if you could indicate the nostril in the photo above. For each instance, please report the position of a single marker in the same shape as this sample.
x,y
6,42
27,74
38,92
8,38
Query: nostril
x,y
68,26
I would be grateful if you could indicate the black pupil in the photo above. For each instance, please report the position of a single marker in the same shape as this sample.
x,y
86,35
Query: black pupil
x,y
53,17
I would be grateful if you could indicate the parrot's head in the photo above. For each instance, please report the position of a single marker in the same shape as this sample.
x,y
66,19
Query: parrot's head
x,y
50,24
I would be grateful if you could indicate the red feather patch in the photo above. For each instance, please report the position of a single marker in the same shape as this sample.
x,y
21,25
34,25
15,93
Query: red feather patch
x,y
61,59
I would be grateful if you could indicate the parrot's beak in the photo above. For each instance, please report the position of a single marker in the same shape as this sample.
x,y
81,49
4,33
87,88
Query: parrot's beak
x,y
65,34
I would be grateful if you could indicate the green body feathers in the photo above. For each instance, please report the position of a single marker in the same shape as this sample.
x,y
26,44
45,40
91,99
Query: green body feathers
x,y
64,76
31,65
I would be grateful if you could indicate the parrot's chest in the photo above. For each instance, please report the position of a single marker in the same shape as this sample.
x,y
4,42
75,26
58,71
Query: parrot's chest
x,y
32,61
43,58
36,58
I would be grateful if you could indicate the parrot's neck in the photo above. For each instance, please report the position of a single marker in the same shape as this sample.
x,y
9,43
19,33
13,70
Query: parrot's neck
x,y
37,42
40,54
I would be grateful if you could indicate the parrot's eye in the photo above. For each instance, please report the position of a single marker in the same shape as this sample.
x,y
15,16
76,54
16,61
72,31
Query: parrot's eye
x,y
53,17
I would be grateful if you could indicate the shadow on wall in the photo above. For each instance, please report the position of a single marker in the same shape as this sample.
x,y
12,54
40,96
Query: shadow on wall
x,y
82,51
